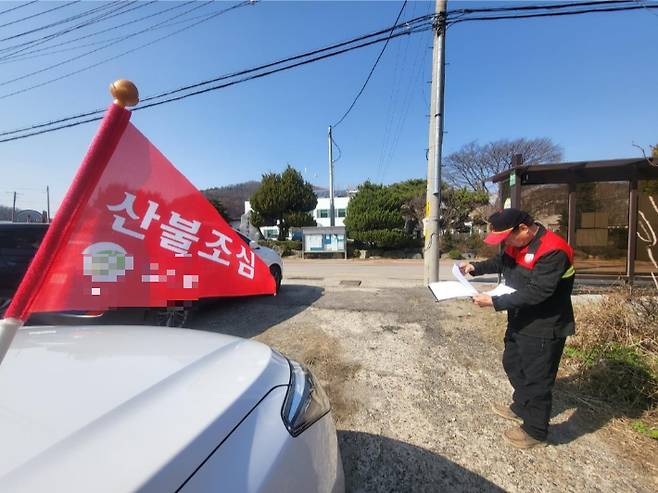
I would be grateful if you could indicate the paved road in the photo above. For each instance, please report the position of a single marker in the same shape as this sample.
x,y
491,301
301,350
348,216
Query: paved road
x,y
369,273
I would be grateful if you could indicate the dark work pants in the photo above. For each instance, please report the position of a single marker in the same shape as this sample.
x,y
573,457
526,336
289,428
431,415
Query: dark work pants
x,y
531,365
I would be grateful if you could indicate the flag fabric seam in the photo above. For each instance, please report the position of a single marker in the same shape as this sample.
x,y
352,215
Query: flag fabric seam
x,y
96,159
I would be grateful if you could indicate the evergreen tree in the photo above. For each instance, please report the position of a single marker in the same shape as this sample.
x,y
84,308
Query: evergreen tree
x,y
284,200
219,207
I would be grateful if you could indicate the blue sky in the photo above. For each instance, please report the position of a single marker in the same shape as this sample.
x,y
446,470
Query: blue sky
x,y
587,82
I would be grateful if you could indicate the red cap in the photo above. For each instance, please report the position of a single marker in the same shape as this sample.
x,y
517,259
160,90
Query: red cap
x,y
502,223
497,237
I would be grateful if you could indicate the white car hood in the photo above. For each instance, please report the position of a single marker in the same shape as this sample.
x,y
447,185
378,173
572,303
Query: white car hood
x,y
116,408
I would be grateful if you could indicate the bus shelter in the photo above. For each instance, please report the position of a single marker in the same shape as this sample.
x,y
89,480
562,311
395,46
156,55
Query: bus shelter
x,y
606,210
330,240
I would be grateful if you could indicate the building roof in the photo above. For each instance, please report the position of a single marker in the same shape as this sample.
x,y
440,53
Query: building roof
x,y
583,171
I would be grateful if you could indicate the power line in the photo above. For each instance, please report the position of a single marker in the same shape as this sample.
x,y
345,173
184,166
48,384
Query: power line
x,y
644,4
340,153
63,21
19,47
16,21
412,22
419,27
553,14
541,7
231,83
11,9
421,21
372,69
49,50
282,69
39,41
77,57
132,50
416,73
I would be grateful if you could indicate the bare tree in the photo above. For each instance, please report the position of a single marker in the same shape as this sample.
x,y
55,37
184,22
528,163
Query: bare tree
x,y
474,163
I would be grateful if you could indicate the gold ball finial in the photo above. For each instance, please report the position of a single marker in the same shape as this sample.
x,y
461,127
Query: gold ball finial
x,y
124,92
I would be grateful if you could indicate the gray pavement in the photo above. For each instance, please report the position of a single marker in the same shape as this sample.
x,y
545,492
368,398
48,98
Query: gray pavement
x,y
375,273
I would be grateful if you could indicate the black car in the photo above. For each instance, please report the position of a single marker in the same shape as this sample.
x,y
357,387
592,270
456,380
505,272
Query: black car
x,y
18,245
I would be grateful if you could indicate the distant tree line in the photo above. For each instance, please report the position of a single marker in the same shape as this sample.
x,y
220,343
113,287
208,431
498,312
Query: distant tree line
x,y
5,213
391,216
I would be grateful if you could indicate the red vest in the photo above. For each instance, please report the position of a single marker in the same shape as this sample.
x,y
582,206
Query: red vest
x,y
549,242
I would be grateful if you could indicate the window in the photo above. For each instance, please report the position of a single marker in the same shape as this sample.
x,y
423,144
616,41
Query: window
x,y
601,227
549,205
323,213
646,254
340,212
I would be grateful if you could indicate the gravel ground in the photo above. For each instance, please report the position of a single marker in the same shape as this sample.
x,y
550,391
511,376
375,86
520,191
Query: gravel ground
x,y
410,382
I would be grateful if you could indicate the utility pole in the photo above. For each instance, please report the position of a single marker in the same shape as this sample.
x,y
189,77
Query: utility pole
x,y
13,210
48,201
433,205
332,219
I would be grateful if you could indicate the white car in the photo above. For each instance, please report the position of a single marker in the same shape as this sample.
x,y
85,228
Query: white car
x,y
267,255
155,409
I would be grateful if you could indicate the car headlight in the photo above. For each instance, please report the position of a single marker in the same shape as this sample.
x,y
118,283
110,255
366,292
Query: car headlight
x,y
305,403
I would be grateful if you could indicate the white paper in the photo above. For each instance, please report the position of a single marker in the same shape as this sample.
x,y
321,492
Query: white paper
x,y
501,289
446,290
461,288
457,274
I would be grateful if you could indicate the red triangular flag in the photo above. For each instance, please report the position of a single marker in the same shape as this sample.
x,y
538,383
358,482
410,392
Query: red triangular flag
x,y
140,235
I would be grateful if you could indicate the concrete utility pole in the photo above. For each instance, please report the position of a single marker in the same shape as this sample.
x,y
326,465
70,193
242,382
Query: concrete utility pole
x,y
13,210
48,201
332,219
433,205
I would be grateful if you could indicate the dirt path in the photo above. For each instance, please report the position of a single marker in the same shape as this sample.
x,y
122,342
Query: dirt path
x,y
410,383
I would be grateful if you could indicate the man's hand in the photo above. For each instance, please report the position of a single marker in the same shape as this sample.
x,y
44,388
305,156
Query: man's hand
x,y
466,268
482,300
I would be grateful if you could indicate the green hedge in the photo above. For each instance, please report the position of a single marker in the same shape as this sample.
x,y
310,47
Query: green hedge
x,y
383,238
283,248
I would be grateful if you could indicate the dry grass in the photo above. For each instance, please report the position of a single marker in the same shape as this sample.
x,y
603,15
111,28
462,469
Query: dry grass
x,y
626,316
612,361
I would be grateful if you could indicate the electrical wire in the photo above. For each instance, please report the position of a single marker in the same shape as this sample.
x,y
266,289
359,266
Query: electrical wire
x,y
19,47
416,22
416,73
340,153
358,95
227,84
16,21
419,22
77,57
541,7
32,44
393,97
132,50
419,27
397,124
282,69
553,14
11,9
64,21
644,4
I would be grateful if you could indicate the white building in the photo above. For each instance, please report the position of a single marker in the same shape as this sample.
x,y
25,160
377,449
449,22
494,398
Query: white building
x,y
320,214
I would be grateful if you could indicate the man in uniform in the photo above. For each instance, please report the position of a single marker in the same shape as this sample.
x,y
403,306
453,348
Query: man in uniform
x,y
538,264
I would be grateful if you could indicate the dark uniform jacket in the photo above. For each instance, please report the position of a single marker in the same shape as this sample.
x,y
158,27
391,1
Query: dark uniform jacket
x,y
542,273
